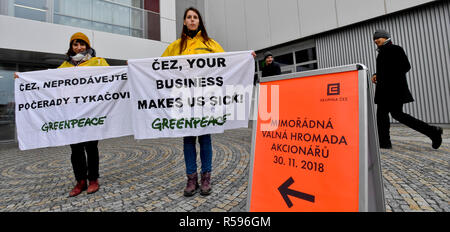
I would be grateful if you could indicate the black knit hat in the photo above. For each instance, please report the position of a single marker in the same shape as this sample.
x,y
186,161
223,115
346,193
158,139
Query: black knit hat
x,y
266,54
380,33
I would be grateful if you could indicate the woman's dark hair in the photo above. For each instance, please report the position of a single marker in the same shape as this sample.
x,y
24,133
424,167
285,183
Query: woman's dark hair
x,y
184,32
70,52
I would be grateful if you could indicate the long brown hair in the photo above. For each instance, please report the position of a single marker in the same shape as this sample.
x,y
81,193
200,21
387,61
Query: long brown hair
x,y
201,27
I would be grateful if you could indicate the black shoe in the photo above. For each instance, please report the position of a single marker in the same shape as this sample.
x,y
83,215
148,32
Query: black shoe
x,y
437,138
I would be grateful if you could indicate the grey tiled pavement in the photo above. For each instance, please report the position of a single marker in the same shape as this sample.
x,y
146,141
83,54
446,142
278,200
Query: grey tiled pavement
x,y
148,175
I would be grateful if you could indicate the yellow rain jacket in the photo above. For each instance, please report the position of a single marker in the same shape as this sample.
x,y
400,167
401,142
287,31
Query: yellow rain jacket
x,y
196,45
94,61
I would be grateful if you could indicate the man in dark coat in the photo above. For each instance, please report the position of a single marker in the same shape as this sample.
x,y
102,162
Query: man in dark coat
x,y
392,92
271,68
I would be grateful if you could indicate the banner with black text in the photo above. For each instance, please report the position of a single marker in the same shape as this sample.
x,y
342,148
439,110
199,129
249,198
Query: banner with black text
x,y
191,95
71,105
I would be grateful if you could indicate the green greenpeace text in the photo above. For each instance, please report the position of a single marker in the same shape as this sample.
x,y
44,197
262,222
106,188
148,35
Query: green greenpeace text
x,y
165,123
73,123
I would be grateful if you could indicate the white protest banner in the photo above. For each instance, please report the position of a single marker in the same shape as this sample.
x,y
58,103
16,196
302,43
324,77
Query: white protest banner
x,y
72,105
191,95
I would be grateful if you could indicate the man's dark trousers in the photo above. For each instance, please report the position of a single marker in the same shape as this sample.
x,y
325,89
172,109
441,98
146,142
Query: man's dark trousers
x,y
397,113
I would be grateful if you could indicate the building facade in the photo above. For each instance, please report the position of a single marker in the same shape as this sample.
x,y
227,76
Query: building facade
x,y
35,36
302,34
305,35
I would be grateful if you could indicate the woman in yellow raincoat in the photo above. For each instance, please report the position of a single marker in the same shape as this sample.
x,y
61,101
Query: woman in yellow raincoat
x,y
81,53
194,40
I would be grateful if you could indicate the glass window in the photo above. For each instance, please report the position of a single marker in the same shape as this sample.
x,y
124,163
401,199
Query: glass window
x,y
76,8
39,4
70,21
136,19
102,27
305,55
133,3
34,10
121,16
137,33
126,17
7,100
103,12
111,13
121,30
286,59
137,3
306,67
26,13
7,103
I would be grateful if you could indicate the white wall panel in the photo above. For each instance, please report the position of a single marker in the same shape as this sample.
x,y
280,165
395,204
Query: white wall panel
x,y
168,30
200,5
257,24
273,22
316,16
167,9
235,26
123,47
168,21
396,5
215,21
29,35
352,11
181,6
284,21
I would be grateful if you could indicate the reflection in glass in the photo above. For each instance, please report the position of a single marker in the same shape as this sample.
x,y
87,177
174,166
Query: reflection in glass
x,y
305,55
70,21
39,4
76,8
7,124
137,18
286,59
30,13
123,17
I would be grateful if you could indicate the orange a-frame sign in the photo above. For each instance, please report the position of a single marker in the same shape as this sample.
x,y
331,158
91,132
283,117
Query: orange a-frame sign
x,y
312,153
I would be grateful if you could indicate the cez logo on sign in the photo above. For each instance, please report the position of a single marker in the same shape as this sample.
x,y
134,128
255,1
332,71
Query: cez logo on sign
x,y
334,89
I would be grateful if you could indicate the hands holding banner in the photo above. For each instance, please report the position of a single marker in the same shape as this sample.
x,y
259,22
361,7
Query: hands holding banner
x,y
192,95
150,98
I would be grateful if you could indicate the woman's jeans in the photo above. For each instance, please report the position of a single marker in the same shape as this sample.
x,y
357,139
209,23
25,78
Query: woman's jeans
x,y
190,154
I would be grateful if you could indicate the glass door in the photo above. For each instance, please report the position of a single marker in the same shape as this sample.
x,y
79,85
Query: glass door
x,y
7,121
